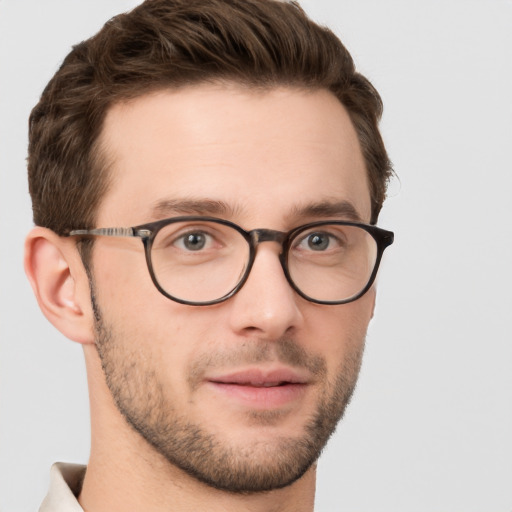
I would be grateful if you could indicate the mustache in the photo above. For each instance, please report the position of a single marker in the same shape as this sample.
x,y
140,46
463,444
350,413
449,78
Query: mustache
x,y
283,350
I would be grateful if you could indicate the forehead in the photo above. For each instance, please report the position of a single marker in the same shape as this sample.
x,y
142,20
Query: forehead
x,y
263,153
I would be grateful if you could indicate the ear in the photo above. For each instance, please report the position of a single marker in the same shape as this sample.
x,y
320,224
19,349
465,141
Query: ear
x,y
60,283
372,298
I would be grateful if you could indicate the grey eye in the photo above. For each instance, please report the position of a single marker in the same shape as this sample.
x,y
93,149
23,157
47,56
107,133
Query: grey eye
x,y
194,241
318,241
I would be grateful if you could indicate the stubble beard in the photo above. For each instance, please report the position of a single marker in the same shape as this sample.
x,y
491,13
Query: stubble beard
x,y
255,467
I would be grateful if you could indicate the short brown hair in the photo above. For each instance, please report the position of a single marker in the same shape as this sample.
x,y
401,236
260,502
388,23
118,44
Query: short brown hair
x,y
170,44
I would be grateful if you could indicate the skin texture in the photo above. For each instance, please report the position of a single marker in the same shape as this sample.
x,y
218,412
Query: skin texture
x,y
169,429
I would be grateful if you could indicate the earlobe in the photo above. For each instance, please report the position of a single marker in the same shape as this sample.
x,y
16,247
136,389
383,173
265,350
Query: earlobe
x,y
60,284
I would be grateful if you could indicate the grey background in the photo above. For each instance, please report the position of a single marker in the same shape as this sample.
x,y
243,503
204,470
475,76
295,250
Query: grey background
x,y
430,427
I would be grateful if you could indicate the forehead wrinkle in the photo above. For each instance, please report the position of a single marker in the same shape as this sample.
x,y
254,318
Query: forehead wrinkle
x,y
193,206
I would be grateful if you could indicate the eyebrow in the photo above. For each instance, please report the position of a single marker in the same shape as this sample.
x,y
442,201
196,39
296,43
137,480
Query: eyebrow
x,y
168,207
339,209
210,207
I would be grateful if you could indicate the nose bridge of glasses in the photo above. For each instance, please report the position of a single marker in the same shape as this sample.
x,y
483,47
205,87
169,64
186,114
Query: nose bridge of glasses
x,y
267,235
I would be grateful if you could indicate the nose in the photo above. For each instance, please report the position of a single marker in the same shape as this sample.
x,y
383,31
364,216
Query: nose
x,y
266,306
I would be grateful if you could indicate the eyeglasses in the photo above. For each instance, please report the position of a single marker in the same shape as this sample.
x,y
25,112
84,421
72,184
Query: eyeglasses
x,y
202,260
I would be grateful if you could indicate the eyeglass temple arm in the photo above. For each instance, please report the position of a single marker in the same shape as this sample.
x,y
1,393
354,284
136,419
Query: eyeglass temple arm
x,y
142,233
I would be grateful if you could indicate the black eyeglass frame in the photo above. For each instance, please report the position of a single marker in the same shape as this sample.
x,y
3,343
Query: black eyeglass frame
x,y
147,233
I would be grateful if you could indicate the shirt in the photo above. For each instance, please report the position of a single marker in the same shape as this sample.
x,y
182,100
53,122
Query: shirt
x,y
65,485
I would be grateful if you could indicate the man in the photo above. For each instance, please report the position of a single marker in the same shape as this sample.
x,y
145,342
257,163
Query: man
x,y
206,177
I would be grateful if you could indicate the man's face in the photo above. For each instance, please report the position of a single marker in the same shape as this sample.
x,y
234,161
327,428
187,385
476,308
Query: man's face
x,y
244,394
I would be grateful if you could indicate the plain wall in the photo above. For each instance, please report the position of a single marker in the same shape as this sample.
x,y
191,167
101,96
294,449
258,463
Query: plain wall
x,y
430,425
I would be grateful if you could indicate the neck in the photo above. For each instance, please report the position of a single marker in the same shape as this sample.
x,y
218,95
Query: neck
x,y
126,473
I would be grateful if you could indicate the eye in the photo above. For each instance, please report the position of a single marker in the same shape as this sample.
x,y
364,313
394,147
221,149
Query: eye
x,y
193,238
318,241
194,241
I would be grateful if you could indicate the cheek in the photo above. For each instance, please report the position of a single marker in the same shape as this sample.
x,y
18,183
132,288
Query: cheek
x,y
140,317
128,295
338,333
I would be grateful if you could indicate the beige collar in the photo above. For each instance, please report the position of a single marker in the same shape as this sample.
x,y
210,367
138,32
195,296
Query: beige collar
x,y
65,484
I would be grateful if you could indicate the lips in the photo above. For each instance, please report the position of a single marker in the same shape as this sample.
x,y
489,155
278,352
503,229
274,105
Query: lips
x,y
261,378
261,389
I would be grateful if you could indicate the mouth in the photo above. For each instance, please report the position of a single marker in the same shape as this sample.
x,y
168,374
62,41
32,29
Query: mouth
x,y
261,389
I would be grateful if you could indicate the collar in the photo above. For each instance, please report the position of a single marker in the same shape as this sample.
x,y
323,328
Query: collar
x,y
65,485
